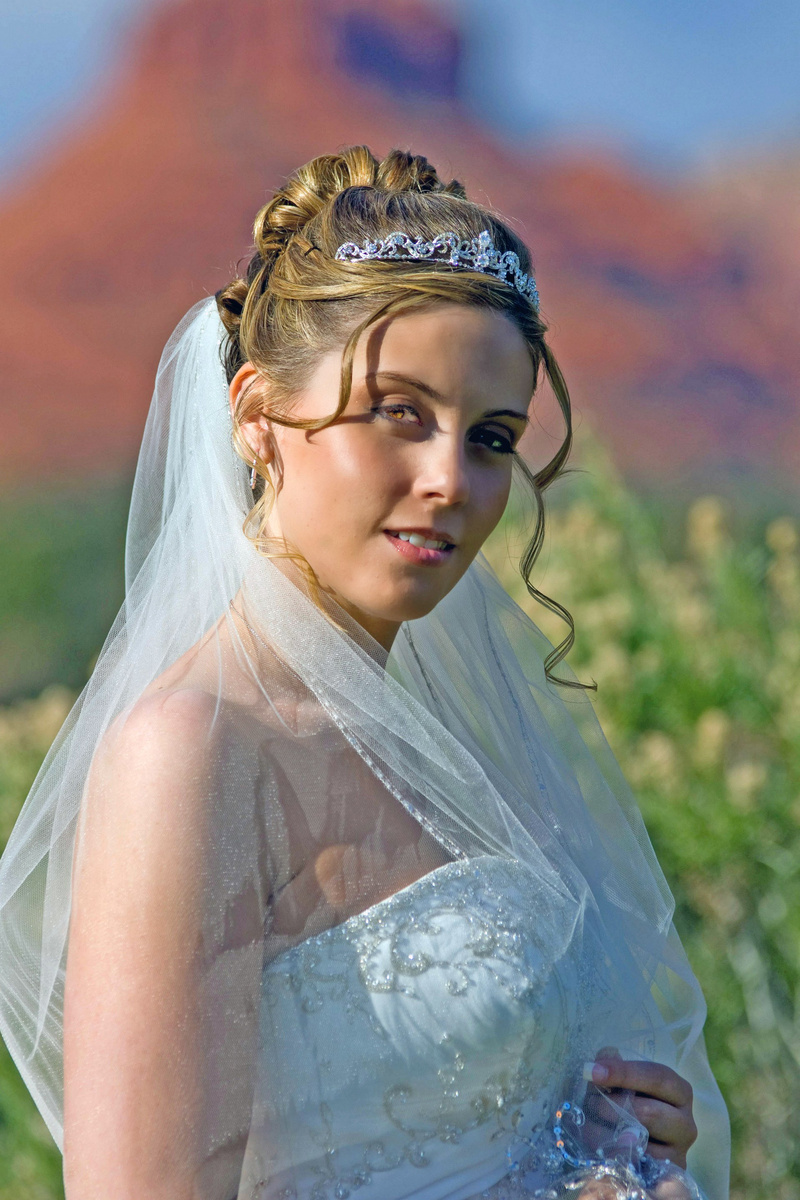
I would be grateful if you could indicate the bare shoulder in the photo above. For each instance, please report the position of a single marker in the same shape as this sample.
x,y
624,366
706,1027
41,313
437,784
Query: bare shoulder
x,y
153,777
163,726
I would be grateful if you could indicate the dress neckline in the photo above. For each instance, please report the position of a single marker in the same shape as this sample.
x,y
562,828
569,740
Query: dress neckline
x,y
428,879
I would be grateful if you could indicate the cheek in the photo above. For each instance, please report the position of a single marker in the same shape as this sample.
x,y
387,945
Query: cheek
x,y
489,492
338,473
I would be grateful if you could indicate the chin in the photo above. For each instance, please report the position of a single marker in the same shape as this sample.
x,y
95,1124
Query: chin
x,y
406,607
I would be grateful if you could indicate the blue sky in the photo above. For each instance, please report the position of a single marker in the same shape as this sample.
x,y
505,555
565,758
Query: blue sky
x,y
675,83
683,80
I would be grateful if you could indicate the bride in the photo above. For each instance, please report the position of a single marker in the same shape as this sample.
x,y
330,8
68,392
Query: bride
x,y
330,885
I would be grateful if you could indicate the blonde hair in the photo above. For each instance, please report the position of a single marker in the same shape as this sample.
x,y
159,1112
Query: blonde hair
x,y
296,302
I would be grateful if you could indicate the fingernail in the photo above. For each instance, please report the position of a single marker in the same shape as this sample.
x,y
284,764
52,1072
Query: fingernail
x,y
594,1072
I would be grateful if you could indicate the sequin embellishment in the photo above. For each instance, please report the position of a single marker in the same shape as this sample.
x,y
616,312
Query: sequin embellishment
x,y
430,1005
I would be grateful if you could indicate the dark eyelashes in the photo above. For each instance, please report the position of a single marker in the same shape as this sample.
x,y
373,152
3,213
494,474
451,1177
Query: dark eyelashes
x,y
382,410
496,442
484,437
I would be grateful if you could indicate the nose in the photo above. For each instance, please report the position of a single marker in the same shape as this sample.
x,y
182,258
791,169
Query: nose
x,y
444,475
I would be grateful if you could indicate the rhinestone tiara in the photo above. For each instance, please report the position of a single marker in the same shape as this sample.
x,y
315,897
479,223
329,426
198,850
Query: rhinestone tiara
x,y
477,254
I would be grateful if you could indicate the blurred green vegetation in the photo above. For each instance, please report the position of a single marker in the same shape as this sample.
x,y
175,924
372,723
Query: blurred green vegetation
x,y
693,636
61,582
696,655
30,1164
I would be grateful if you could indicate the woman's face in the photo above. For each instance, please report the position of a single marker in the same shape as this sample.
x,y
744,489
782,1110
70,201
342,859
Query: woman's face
x,y
391,503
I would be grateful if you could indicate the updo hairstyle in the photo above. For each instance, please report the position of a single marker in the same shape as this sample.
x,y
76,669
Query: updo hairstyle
x,y
296,302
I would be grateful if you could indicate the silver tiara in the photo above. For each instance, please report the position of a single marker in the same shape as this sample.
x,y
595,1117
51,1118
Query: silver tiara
x,y
479,254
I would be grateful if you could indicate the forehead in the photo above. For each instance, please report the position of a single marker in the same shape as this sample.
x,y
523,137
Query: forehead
x,y
461,351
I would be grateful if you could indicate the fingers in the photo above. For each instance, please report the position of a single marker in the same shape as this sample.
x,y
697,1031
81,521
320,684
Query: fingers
x,y
666,1153
661,1100
670,1189
646,1078
600,1189
671,1130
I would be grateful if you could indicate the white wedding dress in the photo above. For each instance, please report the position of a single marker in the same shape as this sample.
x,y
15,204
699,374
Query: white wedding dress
x,y
421,1051
423,1045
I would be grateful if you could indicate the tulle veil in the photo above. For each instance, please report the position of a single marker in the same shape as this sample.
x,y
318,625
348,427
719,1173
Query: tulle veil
x,y
469,745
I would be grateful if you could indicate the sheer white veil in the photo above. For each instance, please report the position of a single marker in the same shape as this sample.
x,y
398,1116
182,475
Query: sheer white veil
x,y
458,728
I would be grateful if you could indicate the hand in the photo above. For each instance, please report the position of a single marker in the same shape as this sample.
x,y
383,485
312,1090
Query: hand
x,y
602,1189
607,1189
661,1101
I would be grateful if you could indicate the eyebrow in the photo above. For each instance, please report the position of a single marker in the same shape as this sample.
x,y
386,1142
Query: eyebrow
x,y
427,390
506,412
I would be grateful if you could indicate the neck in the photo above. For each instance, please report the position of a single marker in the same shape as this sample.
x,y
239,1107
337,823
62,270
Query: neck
x,y
382,631
352,620
379,629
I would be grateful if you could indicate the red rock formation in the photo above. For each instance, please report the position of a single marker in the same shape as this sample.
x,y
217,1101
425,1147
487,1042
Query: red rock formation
x,y
669,322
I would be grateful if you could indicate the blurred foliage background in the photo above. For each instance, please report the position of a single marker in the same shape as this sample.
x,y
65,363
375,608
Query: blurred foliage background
x,y
61,559
689,622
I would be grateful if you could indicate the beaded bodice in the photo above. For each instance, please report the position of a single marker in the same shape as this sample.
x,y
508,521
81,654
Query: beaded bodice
x,y
413,1049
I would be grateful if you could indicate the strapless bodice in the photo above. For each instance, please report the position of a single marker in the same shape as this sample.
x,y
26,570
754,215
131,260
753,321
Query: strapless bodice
x,y
415,1049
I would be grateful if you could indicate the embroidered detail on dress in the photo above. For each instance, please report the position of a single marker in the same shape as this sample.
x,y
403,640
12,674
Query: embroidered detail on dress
x,y
452,932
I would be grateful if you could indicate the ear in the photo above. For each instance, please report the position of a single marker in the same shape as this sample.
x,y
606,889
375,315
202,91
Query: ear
x,y
257,429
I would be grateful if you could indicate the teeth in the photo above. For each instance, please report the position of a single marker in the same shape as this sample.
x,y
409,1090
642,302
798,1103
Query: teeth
x,y
416,539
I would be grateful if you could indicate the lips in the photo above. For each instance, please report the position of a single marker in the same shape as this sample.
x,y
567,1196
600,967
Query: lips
x,y
425,548
428,539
